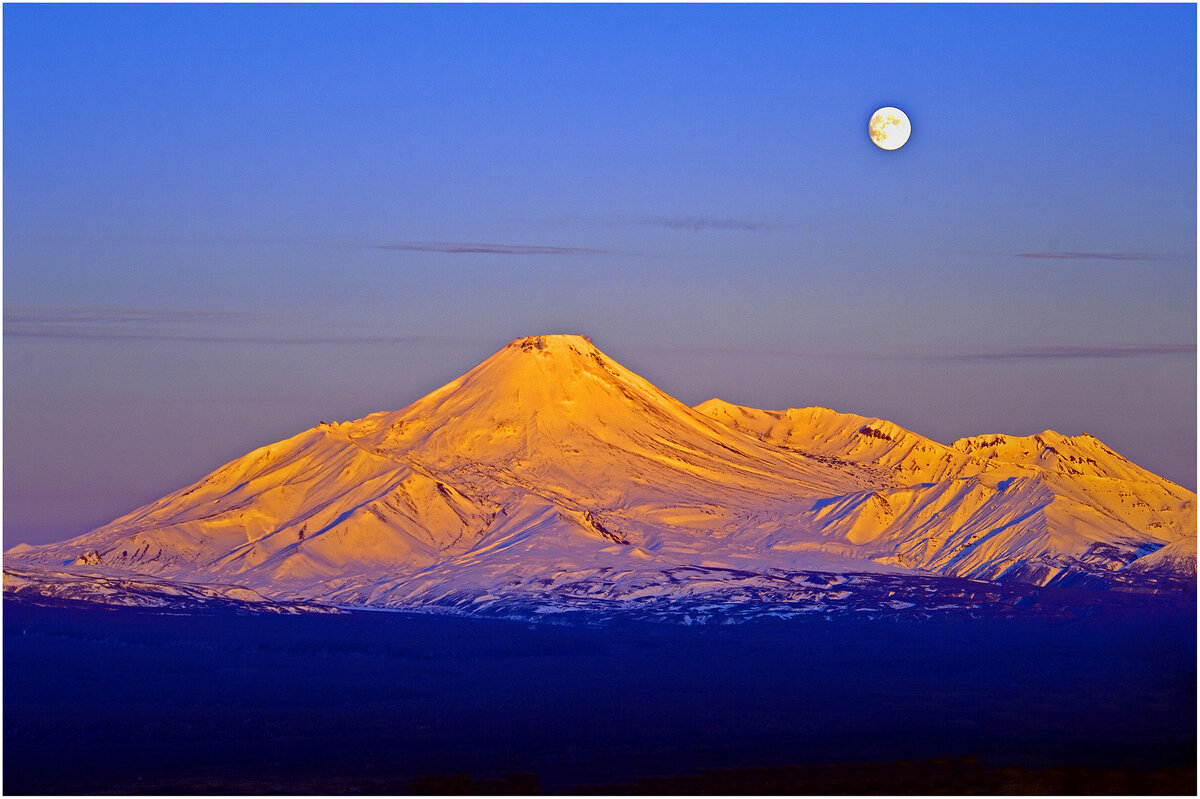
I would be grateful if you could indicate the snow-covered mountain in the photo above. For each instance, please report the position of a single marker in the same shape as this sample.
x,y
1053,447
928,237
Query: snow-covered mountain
x,y
1036,508
551,474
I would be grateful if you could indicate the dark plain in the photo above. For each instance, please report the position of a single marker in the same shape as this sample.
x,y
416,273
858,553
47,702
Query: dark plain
x,y
102,700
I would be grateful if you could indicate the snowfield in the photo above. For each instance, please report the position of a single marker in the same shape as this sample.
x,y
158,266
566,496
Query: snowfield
x,y
550,476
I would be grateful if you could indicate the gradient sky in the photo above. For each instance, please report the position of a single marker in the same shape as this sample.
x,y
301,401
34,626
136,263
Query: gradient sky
x,y
224,224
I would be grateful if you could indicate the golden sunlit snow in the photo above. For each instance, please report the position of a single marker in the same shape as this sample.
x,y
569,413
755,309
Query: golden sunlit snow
x,y
550,464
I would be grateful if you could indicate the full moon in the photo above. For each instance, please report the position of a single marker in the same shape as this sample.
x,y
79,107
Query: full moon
x,y
889,128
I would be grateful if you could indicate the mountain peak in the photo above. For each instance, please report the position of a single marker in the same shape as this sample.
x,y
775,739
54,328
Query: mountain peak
x,y
553,342
716,405
533,397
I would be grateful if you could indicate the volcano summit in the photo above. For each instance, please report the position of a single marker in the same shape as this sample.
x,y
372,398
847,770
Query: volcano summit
x,y
550,477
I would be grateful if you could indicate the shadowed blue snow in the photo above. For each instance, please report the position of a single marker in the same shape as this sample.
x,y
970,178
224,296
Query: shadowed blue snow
x,y
223,224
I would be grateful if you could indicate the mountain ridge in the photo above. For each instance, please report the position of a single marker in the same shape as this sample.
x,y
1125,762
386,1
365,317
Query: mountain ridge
x,y
549,468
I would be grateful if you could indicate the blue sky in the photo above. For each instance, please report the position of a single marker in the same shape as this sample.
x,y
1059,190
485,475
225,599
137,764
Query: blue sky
x,y
223,224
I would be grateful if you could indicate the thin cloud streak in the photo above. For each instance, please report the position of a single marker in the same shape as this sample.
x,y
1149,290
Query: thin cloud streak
x,y
459,248
99,314
1072,352
693,224
94,334
1100,256
100,323
696,224
108,322
447,247
747,351
1015,354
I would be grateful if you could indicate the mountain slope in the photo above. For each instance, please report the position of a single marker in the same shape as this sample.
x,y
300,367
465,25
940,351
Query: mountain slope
x,y
1033,508
549,469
